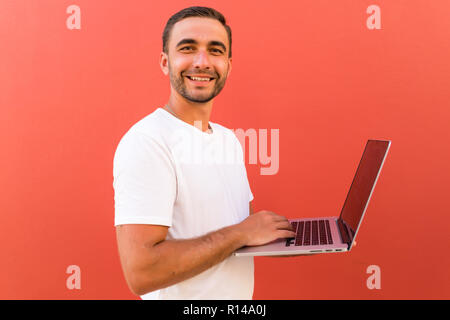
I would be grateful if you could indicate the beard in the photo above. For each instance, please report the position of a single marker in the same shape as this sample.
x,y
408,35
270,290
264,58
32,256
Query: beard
x,y
196,95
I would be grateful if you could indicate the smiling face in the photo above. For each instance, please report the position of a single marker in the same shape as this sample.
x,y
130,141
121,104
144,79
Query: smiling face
x,y
197,60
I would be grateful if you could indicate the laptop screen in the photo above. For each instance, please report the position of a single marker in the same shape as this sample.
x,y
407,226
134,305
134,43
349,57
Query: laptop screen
x,y
362,186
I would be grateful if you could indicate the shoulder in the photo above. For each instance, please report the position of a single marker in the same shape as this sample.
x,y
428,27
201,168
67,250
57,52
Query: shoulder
x,y
149,128
145,135
153,125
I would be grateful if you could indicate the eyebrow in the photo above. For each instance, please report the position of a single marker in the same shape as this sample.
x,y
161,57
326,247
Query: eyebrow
x,y
211,43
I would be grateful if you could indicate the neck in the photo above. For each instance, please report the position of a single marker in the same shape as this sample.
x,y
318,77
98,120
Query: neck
x,y
195,114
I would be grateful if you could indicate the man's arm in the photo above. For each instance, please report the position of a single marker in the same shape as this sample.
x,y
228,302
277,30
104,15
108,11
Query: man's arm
x,y
150,262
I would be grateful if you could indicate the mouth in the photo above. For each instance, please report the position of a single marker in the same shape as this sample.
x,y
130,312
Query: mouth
x,y
201,81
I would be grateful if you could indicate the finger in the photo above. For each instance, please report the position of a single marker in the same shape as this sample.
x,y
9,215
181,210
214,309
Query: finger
x,y
277,218
286,225
286,234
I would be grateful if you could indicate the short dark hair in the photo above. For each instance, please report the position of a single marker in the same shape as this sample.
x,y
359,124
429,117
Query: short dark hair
x,y
194,12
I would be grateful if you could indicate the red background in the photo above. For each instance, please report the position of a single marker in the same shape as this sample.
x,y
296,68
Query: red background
x,y
311,69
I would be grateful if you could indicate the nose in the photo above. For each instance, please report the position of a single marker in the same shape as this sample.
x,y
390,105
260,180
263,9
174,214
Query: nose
x,y
201,60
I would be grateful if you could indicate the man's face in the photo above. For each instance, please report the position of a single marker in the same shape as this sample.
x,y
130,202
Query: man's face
x,y
198,47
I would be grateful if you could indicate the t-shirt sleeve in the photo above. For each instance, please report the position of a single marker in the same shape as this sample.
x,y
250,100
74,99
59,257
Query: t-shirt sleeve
x,y
144,181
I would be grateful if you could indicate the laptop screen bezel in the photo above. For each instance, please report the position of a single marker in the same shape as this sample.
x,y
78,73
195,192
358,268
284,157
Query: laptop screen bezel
x,y
341,220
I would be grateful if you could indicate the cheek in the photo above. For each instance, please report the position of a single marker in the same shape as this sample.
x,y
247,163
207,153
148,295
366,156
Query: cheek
x,y
222,68
180,65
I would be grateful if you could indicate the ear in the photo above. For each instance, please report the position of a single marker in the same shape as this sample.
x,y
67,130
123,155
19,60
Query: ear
x,y
164,63
229,66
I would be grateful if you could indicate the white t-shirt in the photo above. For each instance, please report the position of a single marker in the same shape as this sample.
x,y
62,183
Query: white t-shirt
x,y
168,172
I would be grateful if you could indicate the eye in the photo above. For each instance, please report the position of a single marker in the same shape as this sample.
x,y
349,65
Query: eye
x,y
217,50
189,47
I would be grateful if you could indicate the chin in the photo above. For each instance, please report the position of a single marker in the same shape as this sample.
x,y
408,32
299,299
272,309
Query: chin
x,y
200,99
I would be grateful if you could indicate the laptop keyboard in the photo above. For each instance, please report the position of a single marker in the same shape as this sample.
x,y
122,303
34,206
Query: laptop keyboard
x,y
311,233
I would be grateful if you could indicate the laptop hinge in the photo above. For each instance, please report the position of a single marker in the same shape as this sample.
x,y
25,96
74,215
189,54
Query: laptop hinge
x,y
345,236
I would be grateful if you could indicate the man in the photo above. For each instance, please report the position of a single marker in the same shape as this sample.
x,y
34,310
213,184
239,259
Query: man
x,y
178,220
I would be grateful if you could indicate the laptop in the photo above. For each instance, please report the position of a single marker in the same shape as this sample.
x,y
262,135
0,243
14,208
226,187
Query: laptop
x,y
332,234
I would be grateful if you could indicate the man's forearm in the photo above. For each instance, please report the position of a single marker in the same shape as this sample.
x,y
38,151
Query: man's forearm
x,y
173,261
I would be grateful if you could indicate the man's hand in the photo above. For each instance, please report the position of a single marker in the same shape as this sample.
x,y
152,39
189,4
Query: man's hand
x,y
265,226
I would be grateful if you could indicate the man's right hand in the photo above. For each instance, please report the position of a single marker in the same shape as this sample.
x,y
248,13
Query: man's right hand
x,y
265,226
